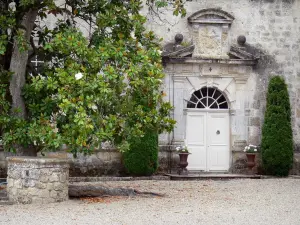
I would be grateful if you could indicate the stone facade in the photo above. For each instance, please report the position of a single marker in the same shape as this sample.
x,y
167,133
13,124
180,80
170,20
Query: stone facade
x,y
210,30
108,162
37,180
271,28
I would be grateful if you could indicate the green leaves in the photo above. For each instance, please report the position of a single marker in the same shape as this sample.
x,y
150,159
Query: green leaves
x,y
277,136
106,88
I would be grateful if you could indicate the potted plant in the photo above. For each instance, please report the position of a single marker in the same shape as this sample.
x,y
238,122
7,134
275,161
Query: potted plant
x,y
250,151
183,153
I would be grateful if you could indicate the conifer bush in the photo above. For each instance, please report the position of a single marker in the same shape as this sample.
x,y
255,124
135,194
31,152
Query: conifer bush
x,y
277,136
142,157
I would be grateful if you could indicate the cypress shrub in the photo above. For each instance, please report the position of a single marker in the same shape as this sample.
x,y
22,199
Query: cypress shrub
x,y
277,136
142,157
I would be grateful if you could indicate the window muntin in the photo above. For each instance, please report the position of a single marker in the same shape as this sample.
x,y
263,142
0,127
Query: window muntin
x,y
208,98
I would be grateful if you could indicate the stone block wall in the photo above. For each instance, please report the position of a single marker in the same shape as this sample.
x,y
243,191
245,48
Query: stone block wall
x,y
272,31
37,180
101,163
96,165
108,162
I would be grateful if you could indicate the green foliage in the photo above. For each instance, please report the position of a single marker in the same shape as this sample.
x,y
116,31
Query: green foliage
x,y
142,157
95,87
277,136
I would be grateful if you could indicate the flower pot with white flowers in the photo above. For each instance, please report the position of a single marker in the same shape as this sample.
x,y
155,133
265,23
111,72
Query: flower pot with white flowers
x,y
183,153
251,151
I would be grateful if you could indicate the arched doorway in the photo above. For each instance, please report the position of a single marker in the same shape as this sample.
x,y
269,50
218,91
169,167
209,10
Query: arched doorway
x,y
207,130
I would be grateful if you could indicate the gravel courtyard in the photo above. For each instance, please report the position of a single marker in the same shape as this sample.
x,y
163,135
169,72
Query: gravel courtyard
x,y
266,201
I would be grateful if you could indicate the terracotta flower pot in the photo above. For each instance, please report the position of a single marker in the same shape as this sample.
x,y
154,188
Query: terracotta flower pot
x,y
183,163
250,160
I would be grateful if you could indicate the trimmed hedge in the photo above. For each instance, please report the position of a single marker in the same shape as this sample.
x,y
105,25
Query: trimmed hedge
x,y
142,157
277,136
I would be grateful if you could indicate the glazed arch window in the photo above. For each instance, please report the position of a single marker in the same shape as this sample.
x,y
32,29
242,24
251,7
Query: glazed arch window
x,y
208,98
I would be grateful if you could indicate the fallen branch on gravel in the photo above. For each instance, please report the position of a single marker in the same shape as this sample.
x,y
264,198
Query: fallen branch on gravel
x,y
97,190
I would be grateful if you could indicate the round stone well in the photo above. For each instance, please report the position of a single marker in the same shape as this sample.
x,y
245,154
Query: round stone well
x,y
37,179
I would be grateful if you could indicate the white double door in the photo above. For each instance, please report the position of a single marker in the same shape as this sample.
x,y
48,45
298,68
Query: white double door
x,y
207,137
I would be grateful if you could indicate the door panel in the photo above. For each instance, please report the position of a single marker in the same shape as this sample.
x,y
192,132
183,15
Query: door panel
x,y
207,137
218,141
196,140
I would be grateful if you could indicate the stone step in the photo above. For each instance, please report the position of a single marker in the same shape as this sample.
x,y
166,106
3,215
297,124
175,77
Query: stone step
x,y
212,176
5,202
3,197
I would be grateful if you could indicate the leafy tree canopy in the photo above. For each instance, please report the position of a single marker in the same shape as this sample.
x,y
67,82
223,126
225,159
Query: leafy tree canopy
x,y
101,77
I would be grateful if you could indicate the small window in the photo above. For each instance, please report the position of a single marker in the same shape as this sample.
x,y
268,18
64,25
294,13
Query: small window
x,y
208,98
37,63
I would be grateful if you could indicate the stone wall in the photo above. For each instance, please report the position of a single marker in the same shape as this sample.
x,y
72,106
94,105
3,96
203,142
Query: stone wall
x,y
108,162
101,163
37,180
272,31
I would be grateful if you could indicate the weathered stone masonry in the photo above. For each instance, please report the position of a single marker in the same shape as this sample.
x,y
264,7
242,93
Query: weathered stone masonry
x,y
272,29
37,180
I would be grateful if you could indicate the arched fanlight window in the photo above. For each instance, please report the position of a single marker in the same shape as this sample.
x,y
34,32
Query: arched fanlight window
x,y
208,98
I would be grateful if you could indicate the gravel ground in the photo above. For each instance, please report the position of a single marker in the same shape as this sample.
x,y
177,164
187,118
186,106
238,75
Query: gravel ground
x,y
266,201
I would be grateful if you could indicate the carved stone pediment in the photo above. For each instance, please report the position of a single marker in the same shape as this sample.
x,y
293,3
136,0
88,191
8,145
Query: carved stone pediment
x,y
210,33
211,16
210,42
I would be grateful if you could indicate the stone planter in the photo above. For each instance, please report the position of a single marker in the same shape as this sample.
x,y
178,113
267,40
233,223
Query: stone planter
x,y
250,160
37,179
183,163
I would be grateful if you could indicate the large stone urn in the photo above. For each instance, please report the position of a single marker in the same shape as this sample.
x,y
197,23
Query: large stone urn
x,y
183,163
250,160
37,179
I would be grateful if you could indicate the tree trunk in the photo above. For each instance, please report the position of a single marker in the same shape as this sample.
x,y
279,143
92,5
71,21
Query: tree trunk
x,y
97,190
18,67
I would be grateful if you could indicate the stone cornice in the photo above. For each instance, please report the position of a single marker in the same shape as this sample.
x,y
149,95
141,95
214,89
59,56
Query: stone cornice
x,y
194,60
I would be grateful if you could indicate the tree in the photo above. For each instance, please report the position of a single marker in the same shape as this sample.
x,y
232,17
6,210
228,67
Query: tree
x,y
277,135
86,92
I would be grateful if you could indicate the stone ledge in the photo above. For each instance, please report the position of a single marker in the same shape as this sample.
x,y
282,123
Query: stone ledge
x,y
99,179
36,160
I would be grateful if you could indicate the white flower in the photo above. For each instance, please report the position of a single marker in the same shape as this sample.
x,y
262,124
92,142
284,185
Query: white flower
x,y
12,6
132,34
100,73
108,29
55,130
177,148
159,52
78,76
94,107
255,150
